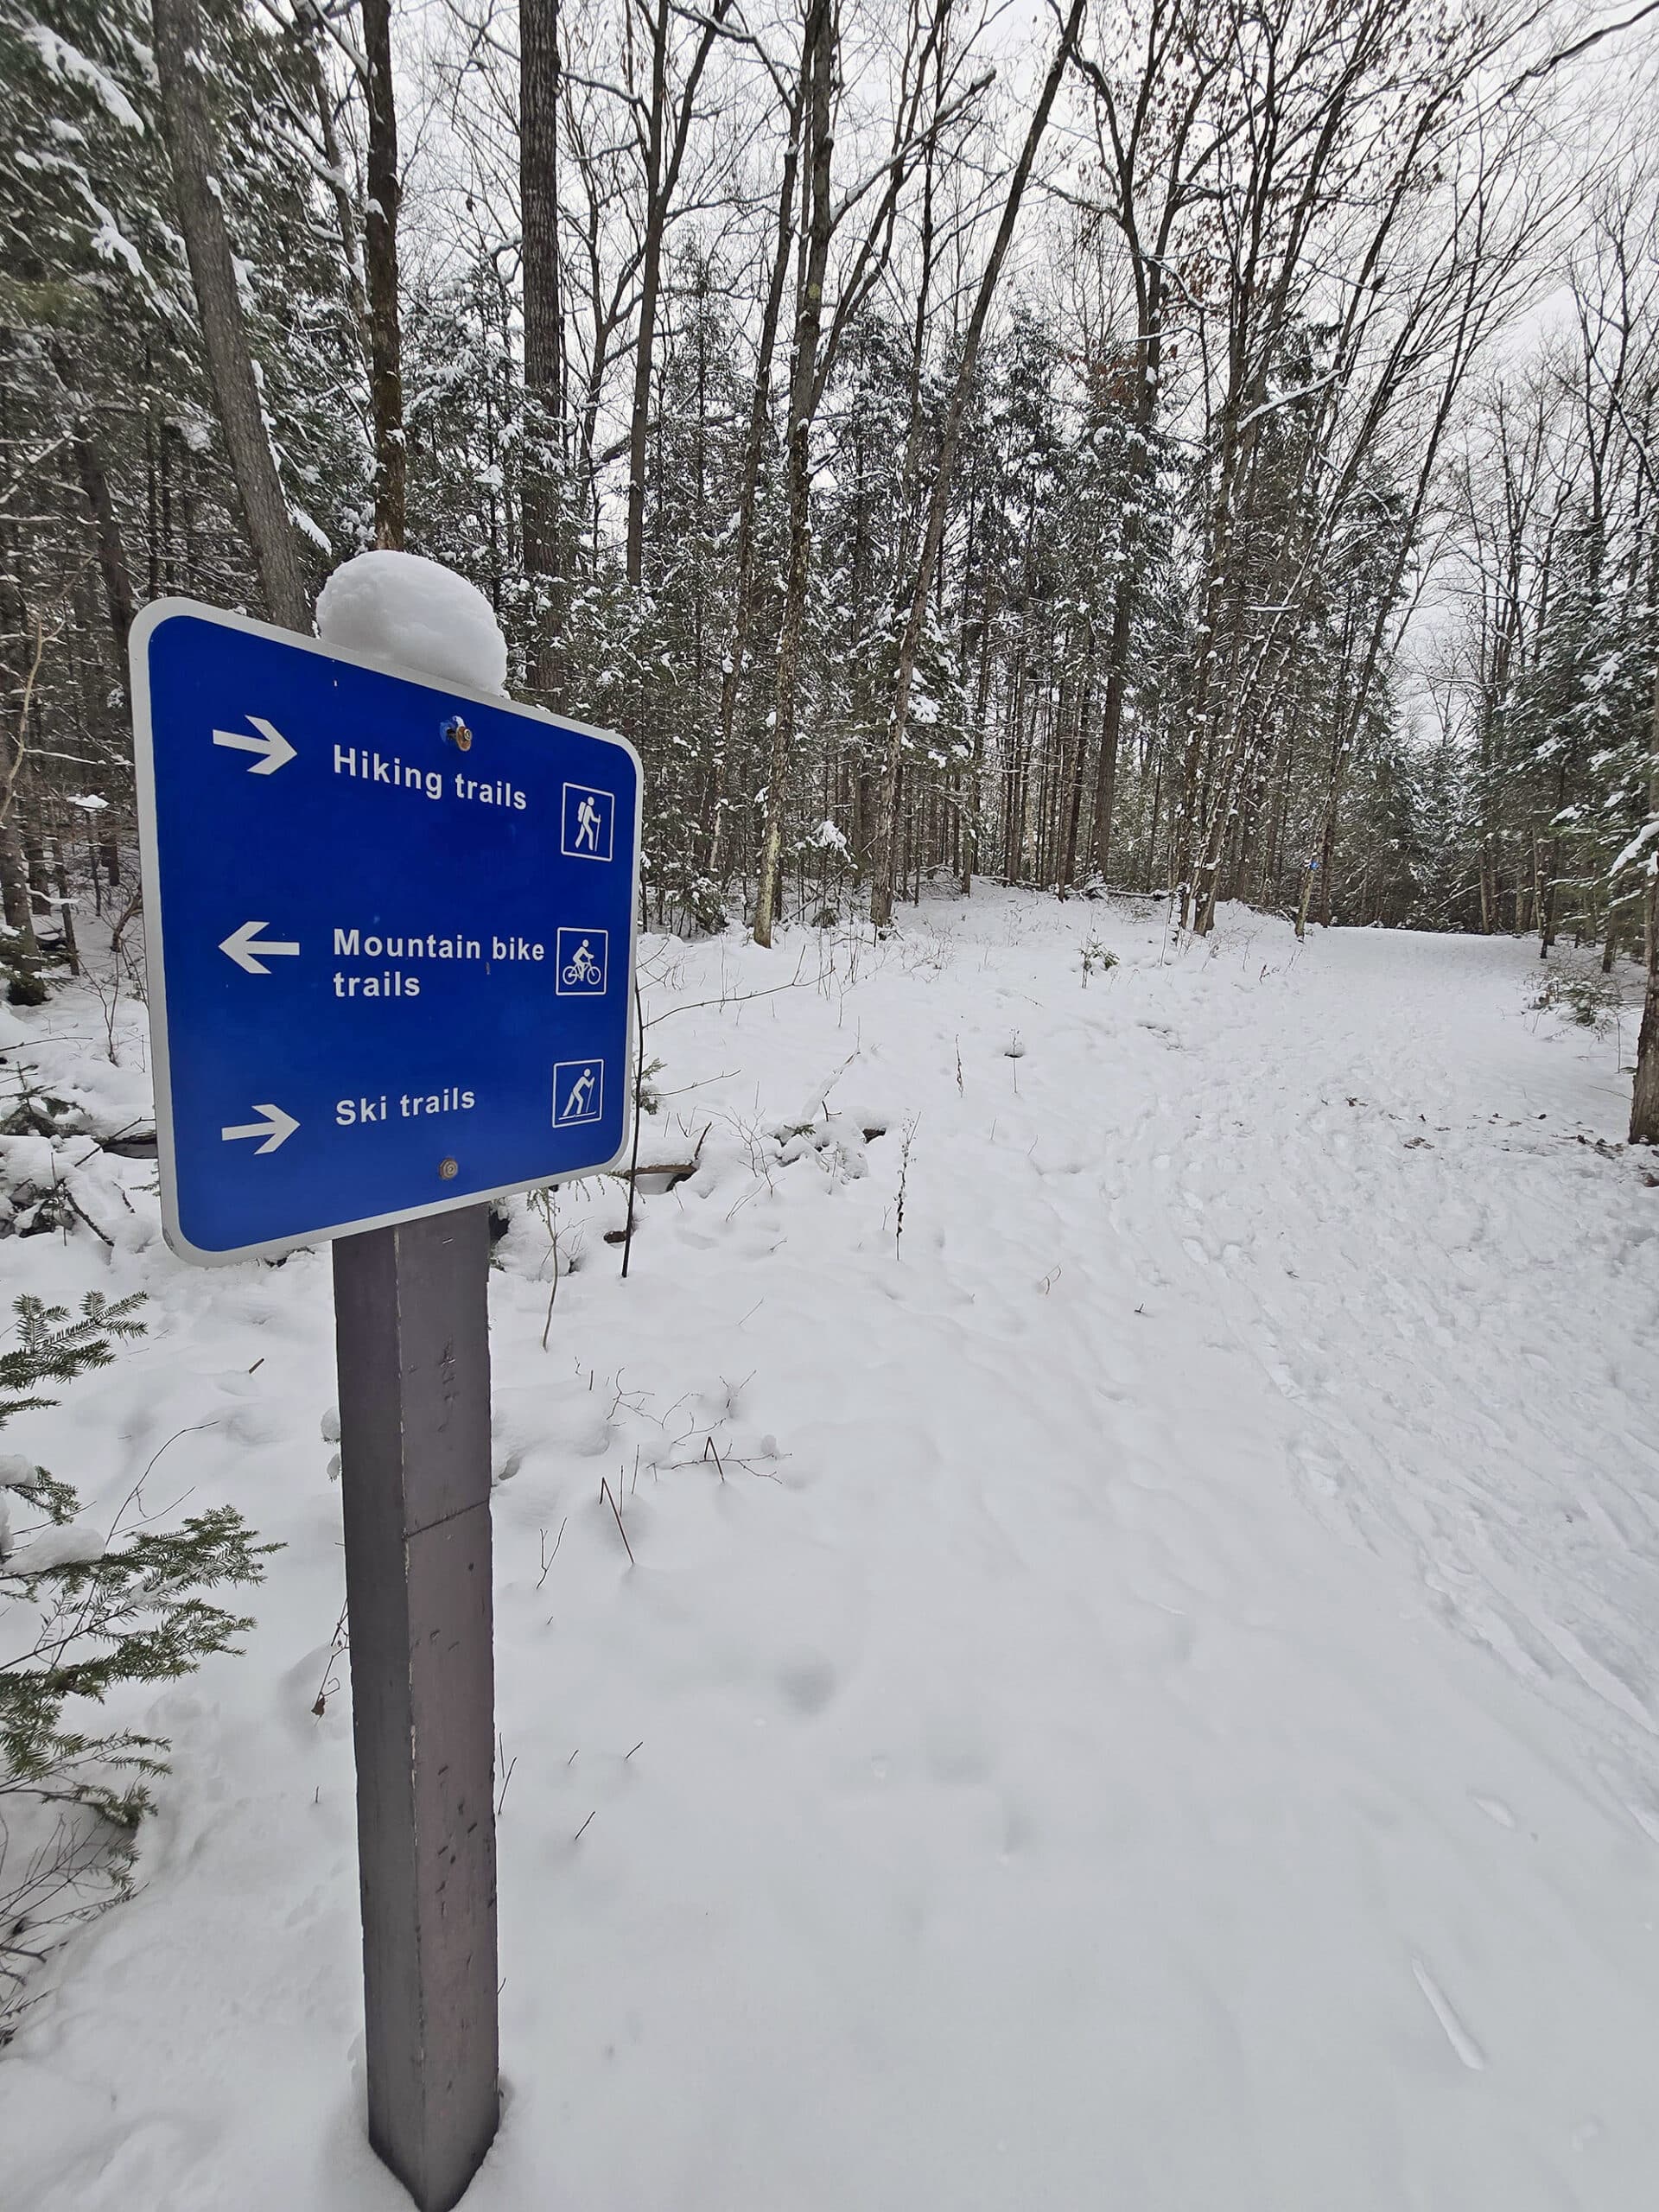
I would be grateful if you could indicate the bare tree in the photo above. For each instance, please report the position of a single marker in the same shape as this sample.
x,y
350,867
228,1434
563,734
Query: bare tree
x,y
817,63
662,167
753,452
938,503
1158,130
815,352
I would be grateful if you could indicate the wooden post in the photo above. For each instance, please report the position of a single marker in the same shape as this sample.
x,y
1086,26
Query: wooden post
x,y
411,1330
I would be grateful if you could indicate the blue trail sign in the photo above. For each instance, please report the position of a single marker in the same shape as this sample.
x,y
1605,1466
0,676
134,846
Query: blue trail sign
x,y
390,928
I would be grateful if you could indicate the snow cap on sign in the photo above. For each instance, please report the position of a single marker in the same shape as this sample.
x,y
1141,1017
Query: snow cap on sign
x,y
417,614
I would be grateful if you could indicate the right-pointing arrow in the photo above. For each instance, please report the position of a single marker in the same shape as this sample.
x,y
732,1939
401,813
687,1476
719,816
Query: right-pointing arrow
x,y
270,742
276,1128
246,947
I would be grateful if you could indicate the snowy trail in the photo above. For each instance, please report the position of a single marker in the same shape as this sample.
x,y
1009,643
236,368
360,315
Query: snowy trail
x,y
1153,1704
1484,1399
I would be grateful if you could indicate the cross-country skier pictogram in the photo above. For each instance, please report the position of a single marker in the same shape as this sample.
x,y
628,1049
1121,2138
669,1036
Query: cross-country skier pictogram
x,y
578,1092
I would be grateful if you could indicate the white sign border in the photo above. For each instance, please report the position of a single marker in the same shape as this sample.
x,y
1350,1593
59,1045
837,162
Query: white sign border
x,y
148,620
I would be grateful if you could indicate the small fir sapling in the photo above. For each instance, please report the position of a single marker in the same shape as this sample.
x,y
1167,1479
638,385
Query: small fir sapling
x,y
81,1615
1592,1002
1094,955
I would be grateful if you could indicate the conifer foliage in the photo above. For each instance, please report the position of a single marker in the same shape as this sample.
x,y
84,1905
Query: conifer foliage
x,y
85,1613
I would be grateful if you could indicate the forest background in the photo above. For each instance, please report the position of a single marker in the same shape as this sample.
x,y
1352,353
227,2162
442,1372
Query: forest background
x,y
1198,446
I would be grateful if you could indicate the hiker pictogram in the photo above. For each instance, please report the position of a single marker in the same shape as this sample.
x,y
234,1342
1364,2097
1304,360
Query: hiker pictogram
x,y
589,822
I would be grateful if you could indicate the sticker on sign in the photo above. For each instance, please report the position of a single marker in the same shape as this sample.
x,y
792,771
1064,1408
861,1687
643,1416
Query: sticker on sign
x,y
374,951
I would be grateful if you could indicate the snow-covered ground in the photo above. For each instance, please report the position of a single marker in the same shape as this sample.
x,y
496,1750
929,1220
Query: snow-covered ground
x,y
1139,1692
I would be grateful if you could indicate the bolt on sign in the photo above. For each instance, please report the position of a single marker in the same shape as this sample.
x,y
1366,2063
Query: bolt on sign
x,y
391,931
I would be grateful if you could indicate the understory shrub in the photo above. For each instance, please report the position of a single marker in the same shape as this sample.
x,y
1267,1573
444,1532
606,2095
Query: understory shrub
x,y
82,1612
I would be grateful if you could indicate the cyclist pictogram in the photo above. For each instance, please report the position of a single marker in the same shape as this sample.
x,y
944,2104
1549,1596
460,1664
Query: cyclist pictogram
x,y
582,957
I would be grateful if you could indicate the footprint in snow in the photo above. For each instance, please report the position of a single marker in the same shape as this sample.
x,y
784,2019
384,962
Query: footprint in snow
x,y
809,1683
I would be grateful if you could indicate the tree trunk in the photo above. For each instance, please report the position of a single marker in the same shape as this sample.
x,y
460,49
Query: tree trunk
x,y
224,338
818,52
538,196
339,190
1644,1101
1071,778
1111,719
386,323
1328,851
650,283
95,490
64,903
760,416
224,334
23,950
976,765
1131,556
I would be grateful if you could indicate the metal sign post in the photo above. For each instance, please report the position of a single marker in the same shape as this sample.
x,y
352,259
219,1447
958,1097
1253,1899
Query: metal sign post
x,y
391,929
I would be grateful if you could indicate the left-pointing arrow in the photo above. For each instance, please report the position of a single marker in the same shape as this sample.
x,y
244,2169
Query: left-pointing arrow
x,y
276,1128
270,742
248,950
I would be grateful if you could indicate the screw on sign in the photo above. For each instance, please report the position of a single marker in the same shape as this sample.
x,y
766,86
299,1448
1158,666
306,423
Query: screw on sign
x,y
389,983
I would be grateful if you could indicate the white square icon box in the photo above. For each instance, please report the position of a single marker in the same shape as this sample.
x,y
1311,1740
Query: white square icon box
x,y
578,1092
583,957
588,823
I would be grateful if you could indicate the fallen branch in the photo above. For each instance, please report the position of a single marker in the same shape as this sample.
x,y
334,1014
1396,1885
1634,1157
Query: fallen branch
x,y
677,1171
605,1488
82,1215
